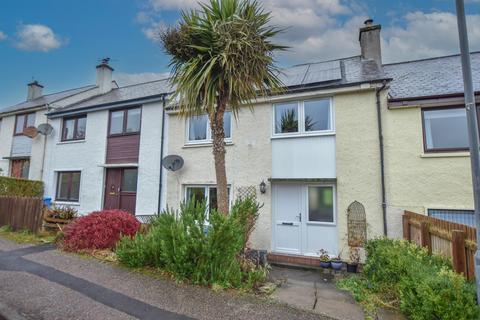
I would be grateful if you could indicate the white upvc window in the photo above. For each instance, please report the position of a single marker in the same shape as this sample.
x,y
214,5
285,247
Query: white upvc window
x,y
207,193
309,117
198,128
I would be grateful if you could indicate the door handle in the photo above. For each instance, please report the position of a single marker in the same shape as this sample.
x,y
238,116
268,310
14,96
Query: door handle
x,y
299,217
287,223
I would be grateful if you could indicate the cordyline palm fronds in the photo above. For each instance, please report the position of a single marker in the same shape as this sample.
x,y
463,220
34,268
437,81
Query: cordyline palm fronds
x,y
222,56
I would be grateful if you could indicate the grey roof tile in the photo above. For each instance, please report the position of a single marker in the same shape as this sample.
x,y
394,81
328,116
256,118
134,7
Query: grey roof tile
x,y
430,77
45,99
127,93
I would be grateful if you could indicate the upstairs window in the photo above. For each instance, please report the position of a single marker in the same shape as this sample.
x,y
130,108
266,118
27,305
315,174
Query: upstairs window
x,y
305,117
445,129
74,128
124,122
23,121
199,128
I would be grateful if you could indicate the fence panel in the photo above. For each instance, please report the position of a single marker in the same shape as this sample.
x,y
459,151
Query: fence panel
x,y
21,213
452,240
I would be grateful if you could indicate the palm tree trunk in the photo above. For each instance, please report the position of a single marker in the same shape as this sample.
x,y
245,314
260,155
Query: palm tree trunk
x,y
218,137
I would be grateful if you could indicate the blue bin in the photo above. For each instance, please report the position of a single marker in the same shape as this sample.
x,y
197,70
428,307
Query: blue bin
x,y
47,201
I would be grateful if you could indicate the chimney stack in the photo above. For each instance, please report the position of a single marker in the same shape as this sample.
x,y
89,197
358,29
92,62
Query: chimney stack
x,y
370,42
34,90
104,76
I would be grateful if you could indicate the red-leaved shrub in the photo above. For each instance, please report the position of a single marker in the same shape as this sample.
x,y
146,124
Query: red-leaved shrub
x,y
99,230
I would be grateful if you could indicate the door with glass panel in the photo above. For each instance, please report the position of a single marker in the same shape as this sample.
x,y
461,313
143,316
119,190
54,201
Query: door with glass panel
x,y
304,219
121,189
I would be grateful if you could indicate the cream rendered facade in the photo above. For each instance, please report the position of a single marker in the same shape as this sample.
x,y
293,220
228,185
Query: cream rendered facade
x,y
418,181
348,158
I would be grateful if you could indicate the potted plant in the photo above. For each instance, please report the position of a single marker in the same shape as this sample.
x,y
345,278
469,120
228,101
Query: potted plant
x,y
352,265
324,259
336,263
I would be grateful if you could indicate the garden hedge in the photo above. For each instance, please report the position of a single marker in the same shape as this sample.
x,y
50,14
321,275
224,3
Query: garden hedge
x,y
20,187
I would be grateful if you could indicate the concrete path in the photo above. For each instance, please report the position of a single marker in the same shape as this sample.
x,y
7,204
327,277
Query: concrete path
x,y
314,290
38,282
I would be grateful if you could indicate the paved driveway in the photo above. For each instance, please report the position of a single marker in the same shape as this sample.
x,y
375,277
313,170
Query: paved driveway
x,y
39,282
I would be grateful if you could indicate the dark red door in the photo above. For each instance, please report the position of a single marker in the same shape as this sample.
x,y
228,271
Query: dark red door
x,y
121,189
112,188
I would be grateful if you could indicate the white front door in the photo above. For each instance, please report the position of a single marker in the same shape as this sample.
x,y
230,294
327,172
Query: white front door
x,y
304,218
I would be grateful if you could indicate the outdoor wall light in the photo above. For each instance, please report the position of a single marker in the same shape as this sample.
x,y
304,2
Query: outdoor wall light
x,y
263,187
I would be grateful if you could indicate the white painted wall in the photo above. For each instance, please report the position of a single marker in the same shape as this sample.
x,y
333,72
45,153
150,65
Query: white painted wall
x,y
303,157
149,159
6,135
86,156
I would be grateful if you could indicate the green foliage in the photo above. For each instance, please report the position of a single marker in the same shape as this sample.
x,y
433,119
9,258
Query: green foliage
x,y
223,54
288,121
20,187
64,212
401,274
190,248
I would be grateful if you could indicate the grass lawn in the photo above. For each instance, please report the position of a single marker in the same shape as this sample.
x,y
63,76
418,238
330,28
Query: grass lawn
x,y
25,236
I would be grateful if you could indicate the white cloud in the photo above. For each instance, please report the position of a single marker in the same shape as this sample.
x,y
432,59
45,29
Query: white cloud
x,y
37,37
427,35
3,36
125,79
328,29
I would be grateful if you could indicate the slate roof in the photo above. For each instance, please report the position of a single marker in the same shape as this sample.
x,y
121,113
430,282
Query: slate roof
x,y
430,77
339,72
131,93
43,100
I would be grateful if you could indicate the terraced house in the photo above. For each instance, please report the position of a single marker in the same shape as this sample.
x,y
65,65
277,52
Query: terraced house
x,y
351,141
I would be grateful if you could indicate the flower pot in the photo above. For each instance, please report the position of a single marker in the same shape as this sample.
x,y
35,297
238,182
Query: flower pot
x,y
336,264
325,264
352,268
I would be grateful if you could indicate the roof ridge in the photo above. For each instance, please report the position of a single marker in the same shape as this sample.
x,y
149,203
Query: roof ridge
x,y
428,59
322,61
140,83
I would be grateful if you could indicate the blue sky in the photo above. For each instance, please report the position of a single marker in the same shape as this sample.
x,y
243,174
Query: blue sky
x,y
59,42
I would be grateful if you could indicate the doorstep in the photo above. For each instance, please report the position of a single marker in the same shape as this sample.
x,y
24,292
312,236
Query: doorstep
x,y
285,259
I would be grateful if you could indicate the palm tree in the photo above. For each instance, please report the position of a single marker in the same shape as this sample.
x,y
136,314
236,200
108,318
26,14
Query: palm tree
x,y
222,56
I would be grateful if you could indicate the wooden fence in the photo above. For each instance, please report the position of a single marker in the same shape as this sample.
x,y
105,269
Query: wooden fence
x,y
21,213
452,240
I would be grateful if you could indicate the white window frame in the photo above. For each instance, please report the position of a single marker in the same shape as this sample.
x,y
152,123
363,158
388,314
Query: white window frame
x,y
301,120
307,220
208,140
207,194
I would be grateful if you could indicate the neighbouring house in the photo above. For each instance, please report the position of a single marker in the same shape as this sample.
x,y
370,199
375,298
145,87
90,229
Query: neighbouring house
x,y
427,161
113,162
20,155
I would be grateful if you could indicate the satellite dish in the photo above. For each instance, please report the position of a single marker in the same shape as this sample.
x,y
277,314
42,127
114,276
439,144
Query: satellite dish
x,y
172,162
30,132
44,129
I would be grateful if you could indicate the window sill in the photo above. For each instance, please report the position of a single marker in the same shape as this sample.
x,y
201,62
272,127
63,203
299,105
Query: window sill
x,y
203,144
71,141
462,154
66,203
302,135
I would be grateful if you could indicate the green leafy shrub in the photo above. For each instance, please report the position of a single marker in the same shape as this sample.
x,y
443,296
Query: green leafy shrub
x,y
20,187
190,247
425,287
64,212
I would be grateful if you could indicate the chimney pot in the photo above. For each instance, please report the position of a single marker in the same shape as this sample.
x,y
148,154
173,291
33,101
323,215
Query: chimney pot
x,y
104,76
368,22
34,90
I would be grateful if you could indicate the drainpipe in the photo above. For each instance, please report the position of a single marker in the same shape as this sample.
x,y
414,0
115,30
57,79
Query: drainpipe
x,y
160,185
382,157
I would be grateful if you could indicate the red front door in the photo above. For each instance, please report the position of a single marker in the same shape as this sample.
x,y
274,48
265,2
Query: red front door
x,y
121,189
